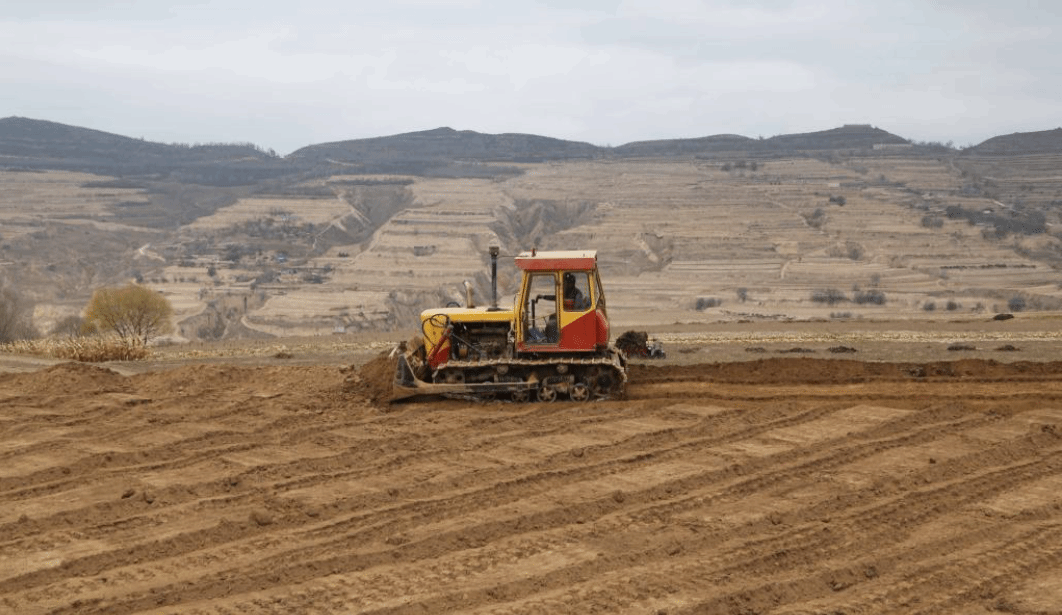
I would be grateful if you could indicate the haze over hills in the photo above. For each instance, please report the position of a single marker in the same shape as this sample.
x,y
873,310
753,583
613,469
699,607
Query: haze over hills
x,y
364,233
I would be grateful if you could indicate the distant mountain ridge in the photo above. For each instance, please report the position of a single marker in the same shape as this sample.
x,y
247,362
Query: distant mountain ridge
x,y
21,136
41,144
448,144
1039,142
849,136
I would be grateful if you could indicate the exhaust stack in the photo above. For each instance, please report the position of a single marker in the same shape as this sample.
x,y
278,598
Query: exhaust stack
x,y
494,279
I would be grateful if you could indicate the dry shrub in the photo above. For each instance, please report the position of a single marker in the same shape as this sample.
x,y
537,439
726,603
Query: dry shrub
x,y
96,349
84,349
134,313
831,296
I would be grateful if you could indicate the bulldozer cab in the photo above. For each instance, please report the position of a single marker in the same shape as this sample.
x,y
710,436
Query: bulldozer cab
x,y
561,305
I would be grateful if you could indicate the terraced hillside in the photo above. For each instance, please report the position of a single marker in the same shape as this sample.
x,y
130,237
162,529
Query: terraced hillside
x,y
675,236
824,225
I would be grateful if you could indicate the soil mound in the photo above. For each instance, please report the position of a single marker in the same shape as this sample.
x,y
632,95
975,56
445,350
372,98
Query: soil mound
x,y
72,377
374,379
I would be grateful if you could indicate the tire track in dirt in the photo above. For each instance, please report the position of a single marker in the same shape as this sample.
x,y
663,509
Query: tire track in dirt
x,y
200,493
767,562
768,498
791,546
613,591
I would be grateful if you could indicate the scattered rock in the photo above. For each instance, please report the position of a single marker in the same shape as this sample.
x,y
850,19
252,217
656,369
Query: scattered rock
x,y
128,493
958,347
1003,317
396,539
261,517
1008,348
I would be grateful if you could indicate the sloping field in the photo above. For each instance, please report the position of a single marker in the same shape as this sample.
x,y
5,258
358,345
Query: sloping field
x,y
681,240
674,234
778,485
285,209
30,200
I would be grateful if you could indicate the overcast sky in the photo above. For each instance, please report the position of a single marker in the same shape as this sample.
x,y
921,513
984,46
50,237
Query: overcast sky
x,y
284,74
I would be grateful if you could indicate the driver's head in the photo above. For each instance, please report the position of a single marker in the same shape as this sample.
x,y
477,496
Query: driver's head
x,y
569,280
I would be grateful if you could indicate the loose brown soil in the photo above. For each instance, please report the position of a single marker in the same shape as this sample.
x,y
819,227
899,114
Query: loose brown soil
x,y
781,484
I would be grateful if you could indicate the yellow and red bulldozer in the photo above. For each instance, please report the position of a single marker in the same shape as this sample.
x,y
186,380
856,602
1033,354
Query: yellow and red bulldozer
x,y
552,344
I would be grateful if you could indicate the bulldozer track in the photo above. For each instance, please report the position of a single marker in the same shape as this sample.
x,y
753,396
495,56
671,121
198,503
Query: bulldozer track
x,y
615,361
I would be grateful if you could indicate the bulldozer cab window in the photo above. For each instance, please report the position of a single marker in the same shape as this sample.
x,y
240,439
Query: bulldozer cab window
x,y
576,291
540,321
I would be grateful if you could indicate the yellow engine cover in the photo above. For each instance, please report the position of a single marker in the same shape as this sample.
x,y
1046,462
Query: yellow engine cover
x,y
434,321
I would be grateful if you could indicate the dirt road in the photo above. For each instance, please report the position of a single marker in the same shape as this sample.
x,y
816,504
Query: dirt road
x,y
783,485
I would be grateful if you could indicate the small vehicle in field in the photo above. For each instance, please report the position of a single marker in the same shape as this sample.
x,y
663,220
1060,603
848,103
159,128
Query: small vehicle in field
x,y
552,344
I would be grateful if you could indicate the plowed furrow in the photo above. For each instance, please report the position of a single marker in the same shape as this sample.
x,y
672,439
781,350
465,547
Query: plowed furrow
x,y
894,495
795,466
476,535
494,488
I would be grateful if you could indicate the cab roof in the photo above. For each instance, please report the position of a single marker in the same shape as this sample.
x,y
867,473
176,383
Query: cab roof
x,y
557,260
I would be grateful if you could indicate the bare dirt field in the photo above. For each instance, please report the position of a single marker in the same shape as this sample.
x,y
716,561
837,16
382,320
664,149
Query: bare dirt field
x,y
783,482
